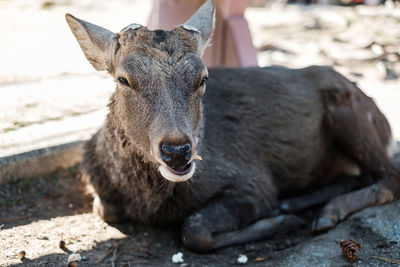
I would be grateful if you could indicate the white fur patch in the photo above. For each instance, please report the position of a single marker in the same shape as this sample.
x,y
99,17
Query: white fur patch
x,y
346,166
133,26
352,169
190,28
167,174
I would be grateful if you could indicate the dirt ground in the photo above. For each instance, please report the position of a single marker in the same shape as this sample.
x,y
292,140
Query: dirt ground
x,y
36,214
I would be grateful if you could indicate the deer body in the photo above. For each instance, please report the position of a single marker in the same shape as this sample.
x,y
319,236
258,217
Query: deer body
x,y
263,134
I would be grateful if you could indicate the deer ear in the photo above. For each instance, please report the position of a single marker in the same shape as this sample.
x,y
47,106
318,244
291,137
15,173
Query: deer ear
x,y
95,41
202,22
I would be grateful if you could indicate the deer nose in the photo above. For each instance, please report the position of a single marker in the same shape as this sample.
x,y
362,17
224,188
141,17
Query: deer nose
x,y
176,156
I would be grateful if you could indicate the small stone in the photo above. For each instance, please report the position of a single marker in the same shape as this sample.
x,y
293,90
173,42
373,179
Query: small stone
x,y
259,259
393,58
242,259
61,244
377,49
143,249
42,237
21,255
74,257
72,264
177,258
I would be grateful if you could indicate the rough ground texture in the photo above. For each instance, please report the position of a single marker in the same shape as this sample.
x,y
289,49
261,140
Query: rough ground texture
x,y
36,214
49,96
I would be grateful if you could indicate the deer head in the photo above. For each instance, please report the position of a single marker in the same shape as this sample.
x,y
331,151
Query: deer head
x,y
160,80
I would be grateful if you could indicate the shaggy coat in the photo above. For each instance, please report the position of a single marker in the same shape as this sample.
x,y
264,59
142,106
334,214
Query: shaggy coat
x,y
265,135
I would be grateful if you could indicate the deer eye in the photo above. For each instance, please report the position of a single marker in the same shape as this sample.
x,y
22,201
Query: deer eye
x,y
123,81
203,81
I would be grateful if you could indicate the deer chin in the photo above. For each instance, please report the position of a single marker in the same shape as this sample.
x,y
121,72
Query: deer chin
x,y
175,176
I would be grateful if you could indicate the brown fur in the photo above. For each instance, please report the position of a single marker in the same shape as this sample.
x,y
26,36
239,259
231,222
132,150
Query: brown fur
x,y
264,133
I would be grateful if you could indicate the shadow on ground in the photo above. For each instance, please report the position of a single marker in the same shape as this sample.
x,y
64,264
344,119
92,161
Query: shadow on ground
x,y
25,200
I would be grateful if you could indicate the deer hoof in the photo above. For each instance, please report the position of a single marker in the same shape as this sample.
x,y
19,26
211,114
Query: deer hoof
x,y
323,224
285,207
196,235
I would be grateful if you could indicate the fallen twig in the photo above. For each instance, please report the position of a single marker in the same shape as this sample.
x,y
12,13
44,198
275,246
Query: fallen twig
x,y
215,257
107,252
135,262
114,257
386,259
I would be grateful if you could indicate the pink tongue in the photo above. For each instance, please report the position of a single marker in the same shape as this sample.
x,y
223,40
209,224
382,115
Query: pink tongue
x,y
182,168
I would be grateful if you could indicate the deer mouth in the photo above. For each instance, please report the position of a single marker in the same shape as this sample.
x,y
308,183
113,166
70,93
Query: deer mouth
x,y
182,170
178,174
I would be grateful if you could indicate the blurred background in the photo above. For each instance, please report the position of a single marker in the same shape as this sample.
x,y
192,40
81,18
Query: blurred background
x,y
50,94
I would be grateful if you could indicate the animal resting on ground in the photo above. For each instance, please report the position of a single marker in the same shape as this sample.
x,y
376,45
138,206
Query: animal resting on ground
x,y
266,136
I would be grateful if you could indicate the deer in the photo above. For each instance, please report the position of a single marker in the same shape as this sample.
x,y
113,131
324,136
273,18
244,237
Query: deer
x,y
230,155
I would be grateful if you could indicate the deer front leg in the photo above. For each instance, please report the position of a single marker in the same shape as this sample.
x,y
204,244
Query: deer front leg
x,y
226,222
108,212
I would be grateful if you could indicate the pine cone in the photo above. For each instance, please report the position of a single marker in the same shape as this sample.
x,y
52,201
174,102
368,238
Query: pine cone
x,y
350,248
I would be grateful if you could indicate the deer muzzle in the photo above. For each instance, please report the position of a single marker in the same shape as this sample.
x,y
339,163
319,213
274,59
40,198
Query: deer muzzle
x,y
176,158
